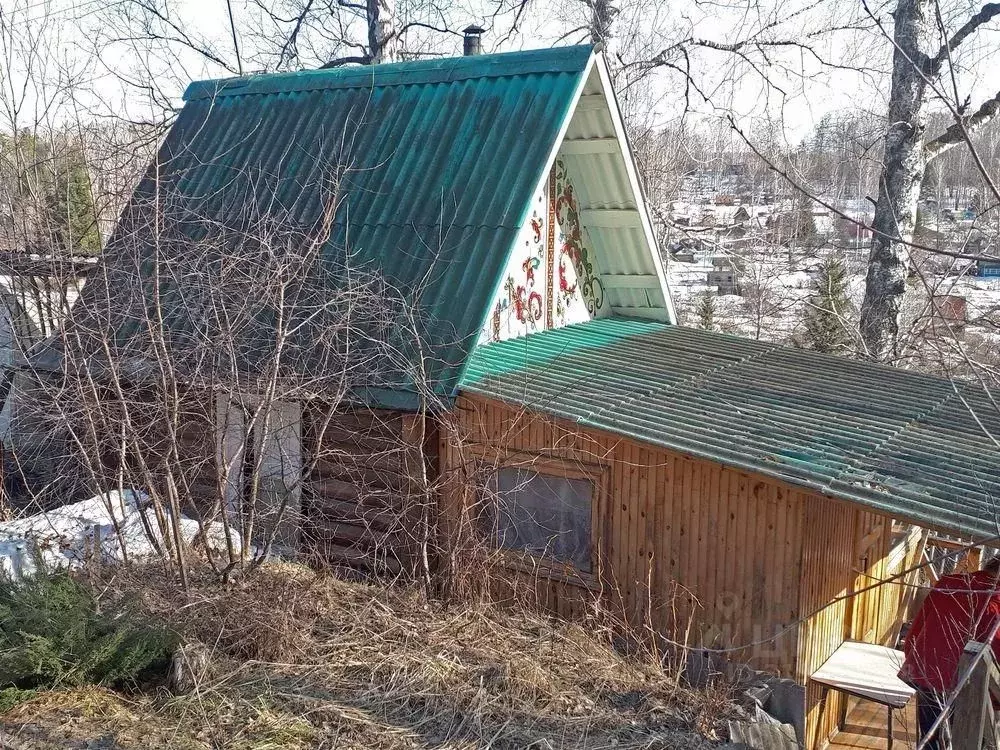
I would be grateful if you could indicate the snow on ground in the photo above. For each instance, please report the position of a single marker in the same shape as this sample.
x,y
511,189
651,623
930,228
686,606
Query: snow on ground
x,y
106,524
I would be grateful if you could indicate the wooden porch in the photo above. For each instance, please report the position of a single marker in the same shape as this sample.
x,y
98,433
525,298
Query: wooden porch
x,y
867,727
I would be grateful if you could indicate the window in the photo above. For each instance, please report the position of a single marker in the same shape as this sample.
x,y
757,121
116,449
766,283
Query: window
x,y
274,453
542,514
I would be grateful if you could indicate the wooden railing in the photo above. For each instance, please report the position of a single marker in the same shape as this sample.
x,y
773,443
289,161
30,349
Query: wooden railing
x,y
973,722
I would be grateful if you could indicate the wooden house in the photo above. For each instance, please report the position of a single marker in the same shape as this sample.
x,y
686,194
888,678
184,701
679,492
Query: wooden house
x,y
734,495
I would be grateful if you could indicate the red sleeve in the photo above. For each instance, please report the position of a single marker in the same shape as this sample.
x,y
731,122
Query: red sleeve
x,y
993,610
918,624
921,618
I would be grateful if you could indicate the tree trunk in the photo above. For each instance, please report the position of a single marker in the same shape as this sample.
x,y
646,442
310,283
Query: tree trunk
x,y
383,41
602,16
902,174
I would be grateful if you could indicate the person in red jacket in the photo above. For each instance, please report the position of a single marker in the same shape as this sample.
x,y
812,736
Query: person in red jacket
x,y
960,608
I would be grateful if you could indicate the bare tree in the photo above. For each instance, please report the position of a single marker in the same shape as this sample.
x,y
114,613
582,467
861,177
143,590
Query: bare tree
x,y
217,365
923,50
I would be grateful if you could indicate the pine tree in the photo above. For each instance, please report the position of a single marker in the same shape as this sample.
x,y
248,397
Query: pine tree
x,y
71,207
46,195
829,311
706,310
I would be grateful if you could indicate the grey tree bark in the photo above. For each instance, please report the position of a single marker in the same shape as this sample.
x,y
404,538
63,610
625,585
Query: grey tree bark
x,y
383,36
918,59
902,175
602,17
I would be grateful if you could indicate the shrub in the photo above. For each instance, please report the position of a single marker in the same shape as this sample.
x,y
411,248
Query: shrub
x,y
53,633
12,696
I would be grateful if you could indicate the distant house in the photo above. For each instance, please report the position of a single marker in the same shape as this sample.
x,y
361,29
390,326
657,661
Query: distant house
x,y
952,311
988,268
511,329
735,171
726,274
946,316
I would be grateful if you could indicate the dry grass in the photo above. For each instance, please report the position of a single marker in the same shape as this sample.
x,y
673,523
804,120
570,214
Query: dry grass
x,y
307,660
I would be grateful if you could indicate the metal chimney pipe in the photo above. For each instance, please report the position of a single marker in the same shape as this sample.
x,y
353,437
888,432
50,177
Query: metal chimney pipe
x,y
473,40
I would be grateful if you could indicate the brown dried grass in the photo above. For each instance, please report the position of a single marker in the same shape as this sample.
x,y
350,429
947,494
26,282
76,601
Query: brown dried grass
x,y
304,659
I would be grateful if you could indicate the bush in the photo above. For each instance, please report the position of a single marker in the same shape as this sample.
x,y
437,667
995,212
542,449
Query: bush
x,y
12,696
53,633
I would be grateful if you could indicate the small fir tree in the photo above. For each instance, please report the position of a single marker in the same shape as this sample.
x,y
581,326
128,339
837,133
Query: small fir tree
x,y
829,310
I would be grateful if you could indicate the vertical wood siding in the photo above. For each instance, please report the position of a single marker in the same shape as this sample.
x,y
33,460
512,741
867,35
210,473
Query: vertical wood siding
x,y
844,562
827,554
702,553
699,552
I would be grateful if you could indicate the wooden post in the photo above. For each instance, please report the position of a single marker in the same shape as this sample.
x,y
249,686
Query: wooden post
x,y
972,703
974,559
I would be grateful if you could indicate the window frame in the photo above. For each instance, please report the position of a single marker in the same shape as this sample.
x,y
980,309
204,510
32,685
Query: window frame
x,y
561,467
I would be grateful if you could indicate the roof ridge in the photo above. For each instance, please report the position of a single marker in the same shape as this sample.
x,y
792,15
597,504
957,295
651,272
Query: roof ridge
x,y
553,60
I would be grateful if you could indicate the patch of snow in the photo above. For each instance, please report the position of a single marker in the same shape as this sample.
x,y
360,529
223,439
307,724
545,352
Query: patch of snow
x,y
114,525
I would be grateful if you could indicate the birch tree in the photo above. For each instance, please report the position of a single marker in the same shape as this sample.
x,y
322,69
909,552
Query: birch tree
x,y
922,54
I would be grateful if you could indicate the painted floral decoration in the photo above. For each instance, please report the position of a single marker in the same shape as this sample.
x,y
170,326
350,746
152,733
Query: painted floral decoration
x,y
572,247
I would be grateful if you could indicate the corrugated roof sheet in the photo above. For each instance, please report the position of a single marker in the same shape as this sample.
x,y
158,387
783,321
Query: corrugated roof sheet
x,y
435,161
900,442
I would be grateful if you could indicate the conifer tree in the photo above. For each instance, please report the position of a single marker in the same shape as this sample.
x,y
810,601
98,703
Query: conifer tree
x,y
71,206
829,311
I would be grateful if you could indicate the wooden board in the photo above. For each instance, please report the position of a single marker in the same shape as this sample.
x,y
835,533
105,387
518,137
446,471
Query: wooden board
x,y
868,671
687,548
704,554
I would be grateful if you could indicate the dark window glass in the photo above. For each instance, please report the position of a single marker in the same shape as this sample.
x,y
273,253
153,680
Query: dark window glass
x,y
541,514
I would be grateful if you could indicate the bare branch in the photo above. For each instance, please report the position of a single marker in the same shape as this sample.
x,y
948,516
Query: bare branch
x,y
986,14
958,132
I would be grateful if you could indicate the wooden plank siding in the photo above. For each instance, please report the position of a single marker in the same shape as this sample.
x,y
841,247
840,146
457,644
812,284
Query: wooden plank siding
x,y
168,449
828,554
699,552
197,453
687,547
848,592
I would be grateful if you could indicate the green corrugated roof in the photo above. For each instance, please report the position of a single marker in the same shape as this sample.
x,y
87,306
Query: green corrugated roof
x,y
436,161
899,442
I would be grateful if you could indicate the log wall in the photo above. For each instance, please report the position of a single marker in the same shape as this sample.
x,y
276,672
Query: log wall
x,y
362,501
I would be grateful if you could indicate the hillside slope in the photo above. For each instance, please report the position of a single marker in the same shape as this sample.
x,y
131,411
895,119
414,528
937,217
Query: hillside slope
x,y
296,659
